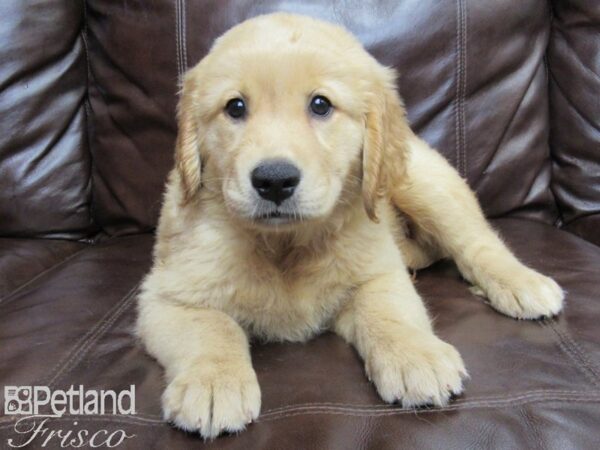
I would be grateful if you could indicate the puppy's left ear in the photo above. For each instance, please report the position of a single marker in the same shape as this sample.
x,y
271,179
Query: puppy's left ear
x,y
385,143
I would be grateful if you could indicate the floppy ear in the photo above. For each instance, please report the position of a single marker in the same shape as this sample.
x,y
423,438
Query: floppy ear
x,y
187,145
384,148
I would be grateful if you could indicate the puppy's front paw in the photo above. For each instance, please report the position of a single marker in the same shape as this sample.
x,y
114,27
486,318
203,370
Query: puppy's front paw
x,y
423,371
212,398
523,293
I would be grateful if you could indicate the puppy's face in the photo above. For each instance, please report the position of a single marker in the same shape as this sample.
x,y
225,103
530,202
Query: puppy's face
x,y
280,115
284,133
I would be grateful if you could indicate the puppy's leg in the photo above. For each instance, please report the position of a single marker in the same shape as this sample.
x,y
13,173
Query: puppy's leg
x,y
418,250
440,201
388,324
415,256
211,385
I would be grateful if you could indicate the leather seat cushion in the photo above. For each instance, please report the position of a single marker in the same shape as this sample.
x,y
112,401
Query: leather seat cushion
x,y
533,384
22,260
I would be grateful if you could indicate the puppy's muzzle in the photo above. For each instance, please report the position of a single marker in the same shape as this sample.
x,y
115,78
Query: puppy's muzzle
x,y
275,180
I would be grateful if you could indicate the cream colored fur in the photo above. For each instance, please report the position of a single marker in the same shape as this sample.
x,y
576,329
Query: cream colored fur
x,y
220,277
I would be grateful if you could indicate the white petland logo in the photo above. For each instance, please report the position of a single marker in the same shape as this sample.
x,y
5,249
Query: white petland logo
x,y
39,404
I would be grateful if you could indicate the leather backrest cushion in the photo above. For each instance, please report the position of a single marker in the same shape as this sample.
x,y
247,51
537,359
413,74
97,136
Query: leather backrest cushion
x,y
574,68
44,159
472,75
133,95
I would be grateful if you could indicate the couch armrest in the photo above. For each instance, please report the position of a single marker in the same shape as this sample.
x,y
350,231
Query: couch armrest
x,y
587,227
574,83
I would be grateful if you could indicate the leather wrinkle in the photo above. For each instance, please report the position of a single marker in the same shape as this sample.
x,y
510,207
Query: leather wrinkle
x,y
570,102
88,114
95,333
56,136
510,121
50,269
573,54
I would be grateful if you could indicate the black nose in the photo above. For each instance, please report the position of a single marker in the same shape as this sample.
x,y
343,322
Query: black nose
x,y
275,180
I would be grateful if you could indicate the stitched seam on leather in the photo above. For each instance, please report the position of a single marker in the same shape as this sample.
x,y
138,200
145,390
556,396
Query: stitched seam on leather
x,y
456,93
177,43
456,404
568,345
465,406
532,427
177,30
578,349
82,347
460,75
183,38
464,88
17,290
156,420
529,394
532,395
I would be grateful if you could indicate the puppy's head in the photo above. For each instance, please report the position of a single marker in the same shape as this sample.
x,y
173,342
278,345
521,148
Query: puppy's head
x,y
289,118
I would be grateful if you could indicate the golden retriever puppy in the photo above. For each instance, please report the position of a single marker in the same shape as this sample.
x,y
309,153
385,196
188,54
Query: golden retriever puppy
x,y
286,214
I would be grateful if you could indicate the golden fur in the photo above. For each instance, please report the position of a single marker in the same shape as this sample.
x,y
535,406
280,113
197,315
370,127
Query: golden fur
x,y
220,275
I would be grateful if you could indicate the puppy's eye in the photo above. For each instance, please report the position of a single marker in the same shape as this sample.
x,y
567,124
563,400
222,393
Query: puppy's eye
x,y
236,108
320,105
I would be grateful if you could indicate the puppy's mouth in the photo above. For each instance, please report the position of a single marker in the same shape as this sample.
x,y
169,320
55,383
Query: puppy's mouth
x,y
273,218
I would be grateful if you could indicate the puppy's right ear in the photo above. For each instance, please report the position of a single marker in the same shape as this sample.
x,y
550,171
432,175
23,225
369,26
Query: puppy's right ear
x,y
187,145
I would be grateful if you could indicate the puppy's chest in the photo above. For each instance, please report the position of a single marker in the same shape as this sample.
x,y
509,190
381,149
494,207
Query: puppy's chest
x,y
281,300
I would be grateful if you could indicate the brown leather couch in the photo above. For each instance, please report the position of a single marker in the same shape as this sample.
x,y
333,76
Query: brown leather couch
x,y
507,90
